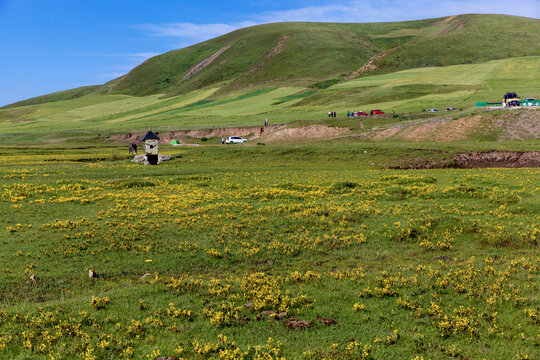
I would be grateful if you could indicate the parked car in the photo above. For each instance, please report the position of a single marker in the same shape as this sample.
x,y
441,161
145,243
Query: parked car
x,y
451,109
433,110
235,140
374,112
360,113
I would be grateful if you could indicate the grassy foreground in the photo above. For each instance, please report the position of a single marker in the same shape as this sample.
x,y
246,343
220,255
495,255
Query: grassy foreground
x,y
283,255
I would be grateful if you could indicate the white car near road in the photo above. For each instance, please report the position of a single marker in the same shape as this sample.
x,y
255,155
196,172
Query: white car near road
x,y
235,140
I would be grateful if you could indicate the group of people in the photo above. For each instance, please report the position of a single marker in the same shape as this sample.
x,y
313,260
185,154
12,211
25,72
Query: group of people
x,y
331,114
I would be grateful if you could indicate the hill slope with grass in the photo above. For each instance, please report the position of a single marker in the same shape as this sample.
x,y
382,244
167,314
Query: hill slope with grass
x,y
318,55
406,92
300,71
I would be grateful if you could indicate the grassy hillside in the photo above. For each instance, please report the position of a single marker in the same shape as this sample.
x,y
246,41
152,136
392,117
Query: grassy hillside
x,y
317,55
421,88
57,96
408,91
307,53
298,71
468,39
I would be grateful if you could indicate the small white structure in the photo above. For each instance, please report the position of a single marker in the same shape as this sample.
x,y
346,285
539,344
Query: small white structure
x,y
151,148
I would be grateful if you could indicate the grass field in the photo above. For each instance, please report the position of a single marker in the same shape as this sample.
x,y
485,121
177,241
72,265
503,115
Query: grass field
x,y
406,91
299,249
283,251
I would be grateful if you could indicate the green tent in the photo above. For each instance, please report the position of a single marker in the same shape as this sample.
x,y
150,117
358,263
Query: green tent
x,y
175,142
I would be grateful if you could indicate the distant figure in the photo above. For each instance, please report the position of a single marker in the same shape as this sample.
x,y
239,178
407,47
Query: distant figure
x,y
392,111
348,113
262,131
222,141
329,114
334,114
266,122
133,148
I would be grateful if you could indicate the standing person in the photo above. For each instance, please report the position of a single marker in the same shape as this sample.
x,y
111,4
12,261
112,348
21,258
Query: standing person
x,y
334,114
329,114
266,122
222,141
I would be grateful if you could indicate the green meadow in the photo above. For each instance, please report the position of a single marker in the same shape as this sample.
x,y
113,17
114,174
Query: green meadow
x,y
307,247
265,252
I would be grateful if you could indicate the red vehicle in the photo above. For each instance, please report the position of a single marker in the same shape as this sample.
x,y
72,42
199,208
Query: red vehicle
x,y
359,113
374,112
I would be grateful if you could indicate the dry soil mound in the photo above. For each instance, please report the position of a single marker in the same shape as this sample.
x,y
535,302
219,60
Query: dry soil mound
x,y
306,132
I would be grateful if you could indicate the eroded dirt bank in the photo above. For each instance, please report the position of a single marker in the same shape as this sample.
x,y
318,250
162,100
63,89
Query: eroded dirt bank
x,y
486,159
270,132
506,159
167,137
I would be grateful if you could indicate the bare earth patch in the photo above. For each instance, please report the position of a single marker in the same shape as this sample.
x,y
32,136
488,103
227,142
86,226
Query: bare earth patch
x,y
270,132
453,130
276,50
306,132
505,159
442,129
454,24
471,160
167,137
194,70
522,124
370,65
518,125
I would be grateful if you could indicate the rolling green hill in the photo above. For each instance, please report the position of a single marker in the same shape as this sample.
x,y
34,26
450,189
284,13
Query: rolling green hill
x,y
304,54
299,71
404,91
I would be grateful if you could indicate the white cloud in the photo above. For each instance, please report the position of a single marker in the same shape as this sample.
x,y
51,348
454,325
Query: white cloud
x,y
357,11
193,32
360,11
142,55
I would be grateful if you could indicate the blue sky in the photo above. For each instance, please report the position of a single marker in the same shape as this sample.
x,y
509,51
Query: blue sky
x,y
53,45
